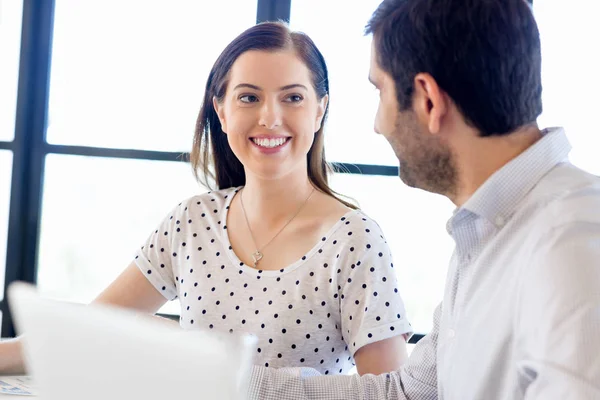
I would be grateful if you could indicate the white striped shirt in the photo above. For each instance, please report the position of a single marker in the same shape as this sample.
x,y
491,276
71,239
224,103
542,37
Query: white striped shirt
x,y
520,317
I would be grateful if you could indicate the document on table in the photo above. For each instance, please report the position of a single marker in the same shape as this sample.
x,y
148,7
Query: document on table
x,y
19,384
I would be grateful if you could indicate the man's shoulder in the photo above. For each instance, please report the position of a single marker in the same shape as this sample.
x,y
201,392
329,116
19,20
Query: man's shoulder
x,y
566,195
562,228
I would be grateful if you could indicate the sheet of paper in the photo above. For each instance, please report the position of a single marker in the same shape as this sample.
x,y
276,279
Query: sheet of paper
x,y
19,385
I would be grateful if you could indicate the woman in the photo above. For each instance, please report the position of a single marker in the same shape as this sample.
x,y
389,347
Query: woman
x,y
273,251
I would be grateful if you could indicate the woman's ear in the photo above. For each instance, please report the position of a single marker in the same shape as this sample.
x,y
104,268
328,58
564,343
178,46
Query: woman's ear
x,y
219,110
322,106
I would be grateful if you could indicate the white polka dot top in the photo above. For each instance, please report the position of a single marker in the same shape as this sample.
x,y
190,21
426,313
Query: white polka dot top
x,y
341,295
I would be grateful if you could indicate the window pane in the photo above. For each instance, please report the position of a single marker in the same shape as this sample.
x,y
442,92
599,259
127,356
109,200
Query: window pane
x,y
11,14
414,224
131,74
5,179
353,101
570,66
96,212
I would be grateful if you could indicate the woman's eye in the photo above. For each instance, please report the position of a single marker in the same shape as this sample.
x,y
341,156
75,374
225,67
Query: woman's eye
x,y
294,98
248,98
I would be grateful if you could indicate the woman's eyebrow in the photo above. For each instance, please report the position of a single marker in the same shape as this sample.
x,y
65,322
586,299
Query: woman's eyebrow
x,y
254,87
292,86
247,85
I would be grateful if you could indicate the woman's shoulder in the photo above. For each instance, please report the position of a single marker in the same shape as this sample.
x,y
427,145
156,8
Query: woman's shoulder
x,y
355,231
335,213
356,240
209,199
365,225
207,204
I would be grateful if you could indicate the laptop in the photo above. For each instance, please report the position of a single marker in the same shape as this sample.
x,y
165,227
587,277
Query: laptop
x,y
98,352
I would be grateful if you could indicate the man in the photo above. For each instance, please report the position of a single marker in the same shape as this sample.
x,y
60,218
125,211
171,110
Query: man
x,y
460,91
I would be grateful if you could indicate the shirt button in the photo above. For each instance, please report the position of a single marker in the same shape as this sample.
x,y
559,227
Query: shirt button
x,y
499,220
451,333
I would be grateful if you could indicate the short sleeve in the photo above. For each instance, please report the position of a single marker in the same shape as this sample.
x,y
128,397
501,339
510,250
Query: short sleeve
x,y
155,257
371,306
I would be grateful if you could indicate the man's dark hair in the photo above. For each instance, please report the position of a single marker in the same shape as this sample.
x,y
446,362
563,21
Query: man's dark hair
x,y
485,54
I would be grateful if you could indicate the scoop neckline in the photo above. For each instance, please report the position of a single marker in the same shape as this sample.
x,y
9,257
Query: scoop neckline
x,y
244,268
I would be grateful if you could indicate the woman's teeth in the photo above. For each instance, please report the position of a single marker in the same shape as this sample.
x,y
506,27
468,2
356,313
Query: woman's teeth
x,y
269,143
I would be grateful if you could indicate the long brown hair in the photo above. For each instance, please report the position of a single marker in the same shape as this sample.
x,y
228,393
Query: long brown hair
x,y
211,158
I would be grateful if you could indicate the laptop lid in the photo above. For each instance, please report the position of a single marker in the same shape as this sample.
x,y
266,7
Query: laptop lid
x,y
99,352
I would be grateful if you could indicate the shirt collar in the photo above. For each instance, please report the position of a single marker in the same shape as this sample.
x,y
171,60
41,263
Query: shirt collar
x,y
498,197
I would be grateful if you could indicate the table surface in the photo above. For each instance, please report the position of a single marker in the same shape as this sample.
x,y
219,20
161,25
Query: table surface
x,y
21,381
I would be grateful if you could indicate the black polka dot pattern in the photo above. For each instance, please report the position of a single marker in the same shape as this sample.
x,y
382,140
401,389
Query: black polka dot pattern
x,y
339,296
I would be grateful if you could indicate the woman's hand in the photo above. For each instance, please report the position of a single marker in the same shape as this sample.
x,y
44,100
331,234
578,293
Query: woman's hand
x,y
11,357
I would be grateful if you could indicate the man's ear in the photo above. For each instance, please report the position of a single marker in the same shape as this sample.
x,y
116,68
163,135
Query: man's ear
x,y
429,102
219,110
321,112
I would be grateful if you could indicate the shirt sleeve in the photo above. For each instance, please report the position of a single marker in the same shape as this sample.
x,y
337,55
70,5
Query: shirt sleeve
x,y
155,257
417,380
560,321
371,306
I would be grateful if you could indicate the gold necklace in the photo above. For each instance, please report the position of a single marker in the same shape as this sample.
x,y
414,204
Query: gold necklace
x,y
258,255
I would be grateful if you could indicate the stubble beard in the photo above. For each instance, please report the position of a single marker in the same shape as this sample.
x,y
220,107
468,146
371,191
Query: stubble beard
x,y
425,162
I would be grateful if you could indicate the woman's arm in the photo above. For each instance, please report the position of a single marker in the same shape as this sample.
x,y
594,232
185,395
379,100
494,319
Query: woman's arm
x,y
374,323
380,357
132,290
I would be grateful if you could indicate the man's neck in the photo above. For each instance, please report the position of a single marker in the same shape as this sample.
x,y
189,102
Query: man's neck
x,y
480,157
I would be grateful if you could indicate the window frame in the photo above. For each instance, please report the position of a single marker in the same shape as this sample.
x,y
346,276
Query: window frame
x,y
30,146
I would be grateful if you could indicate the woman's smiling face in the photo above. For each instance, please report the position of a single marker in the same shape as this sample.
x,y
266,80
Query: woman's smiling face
x,y
270,113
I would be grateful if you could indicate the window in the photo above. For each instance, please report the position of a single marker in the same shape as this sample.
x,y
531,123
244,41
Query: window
x,y
116,88
5,178
349,135
10,39
570,79
413,221
93,222
113,86
131,74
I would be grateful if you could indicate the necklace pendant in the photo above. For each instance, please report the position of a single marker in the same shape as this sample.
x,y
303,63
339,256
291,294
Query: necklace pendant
x,y
256,257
